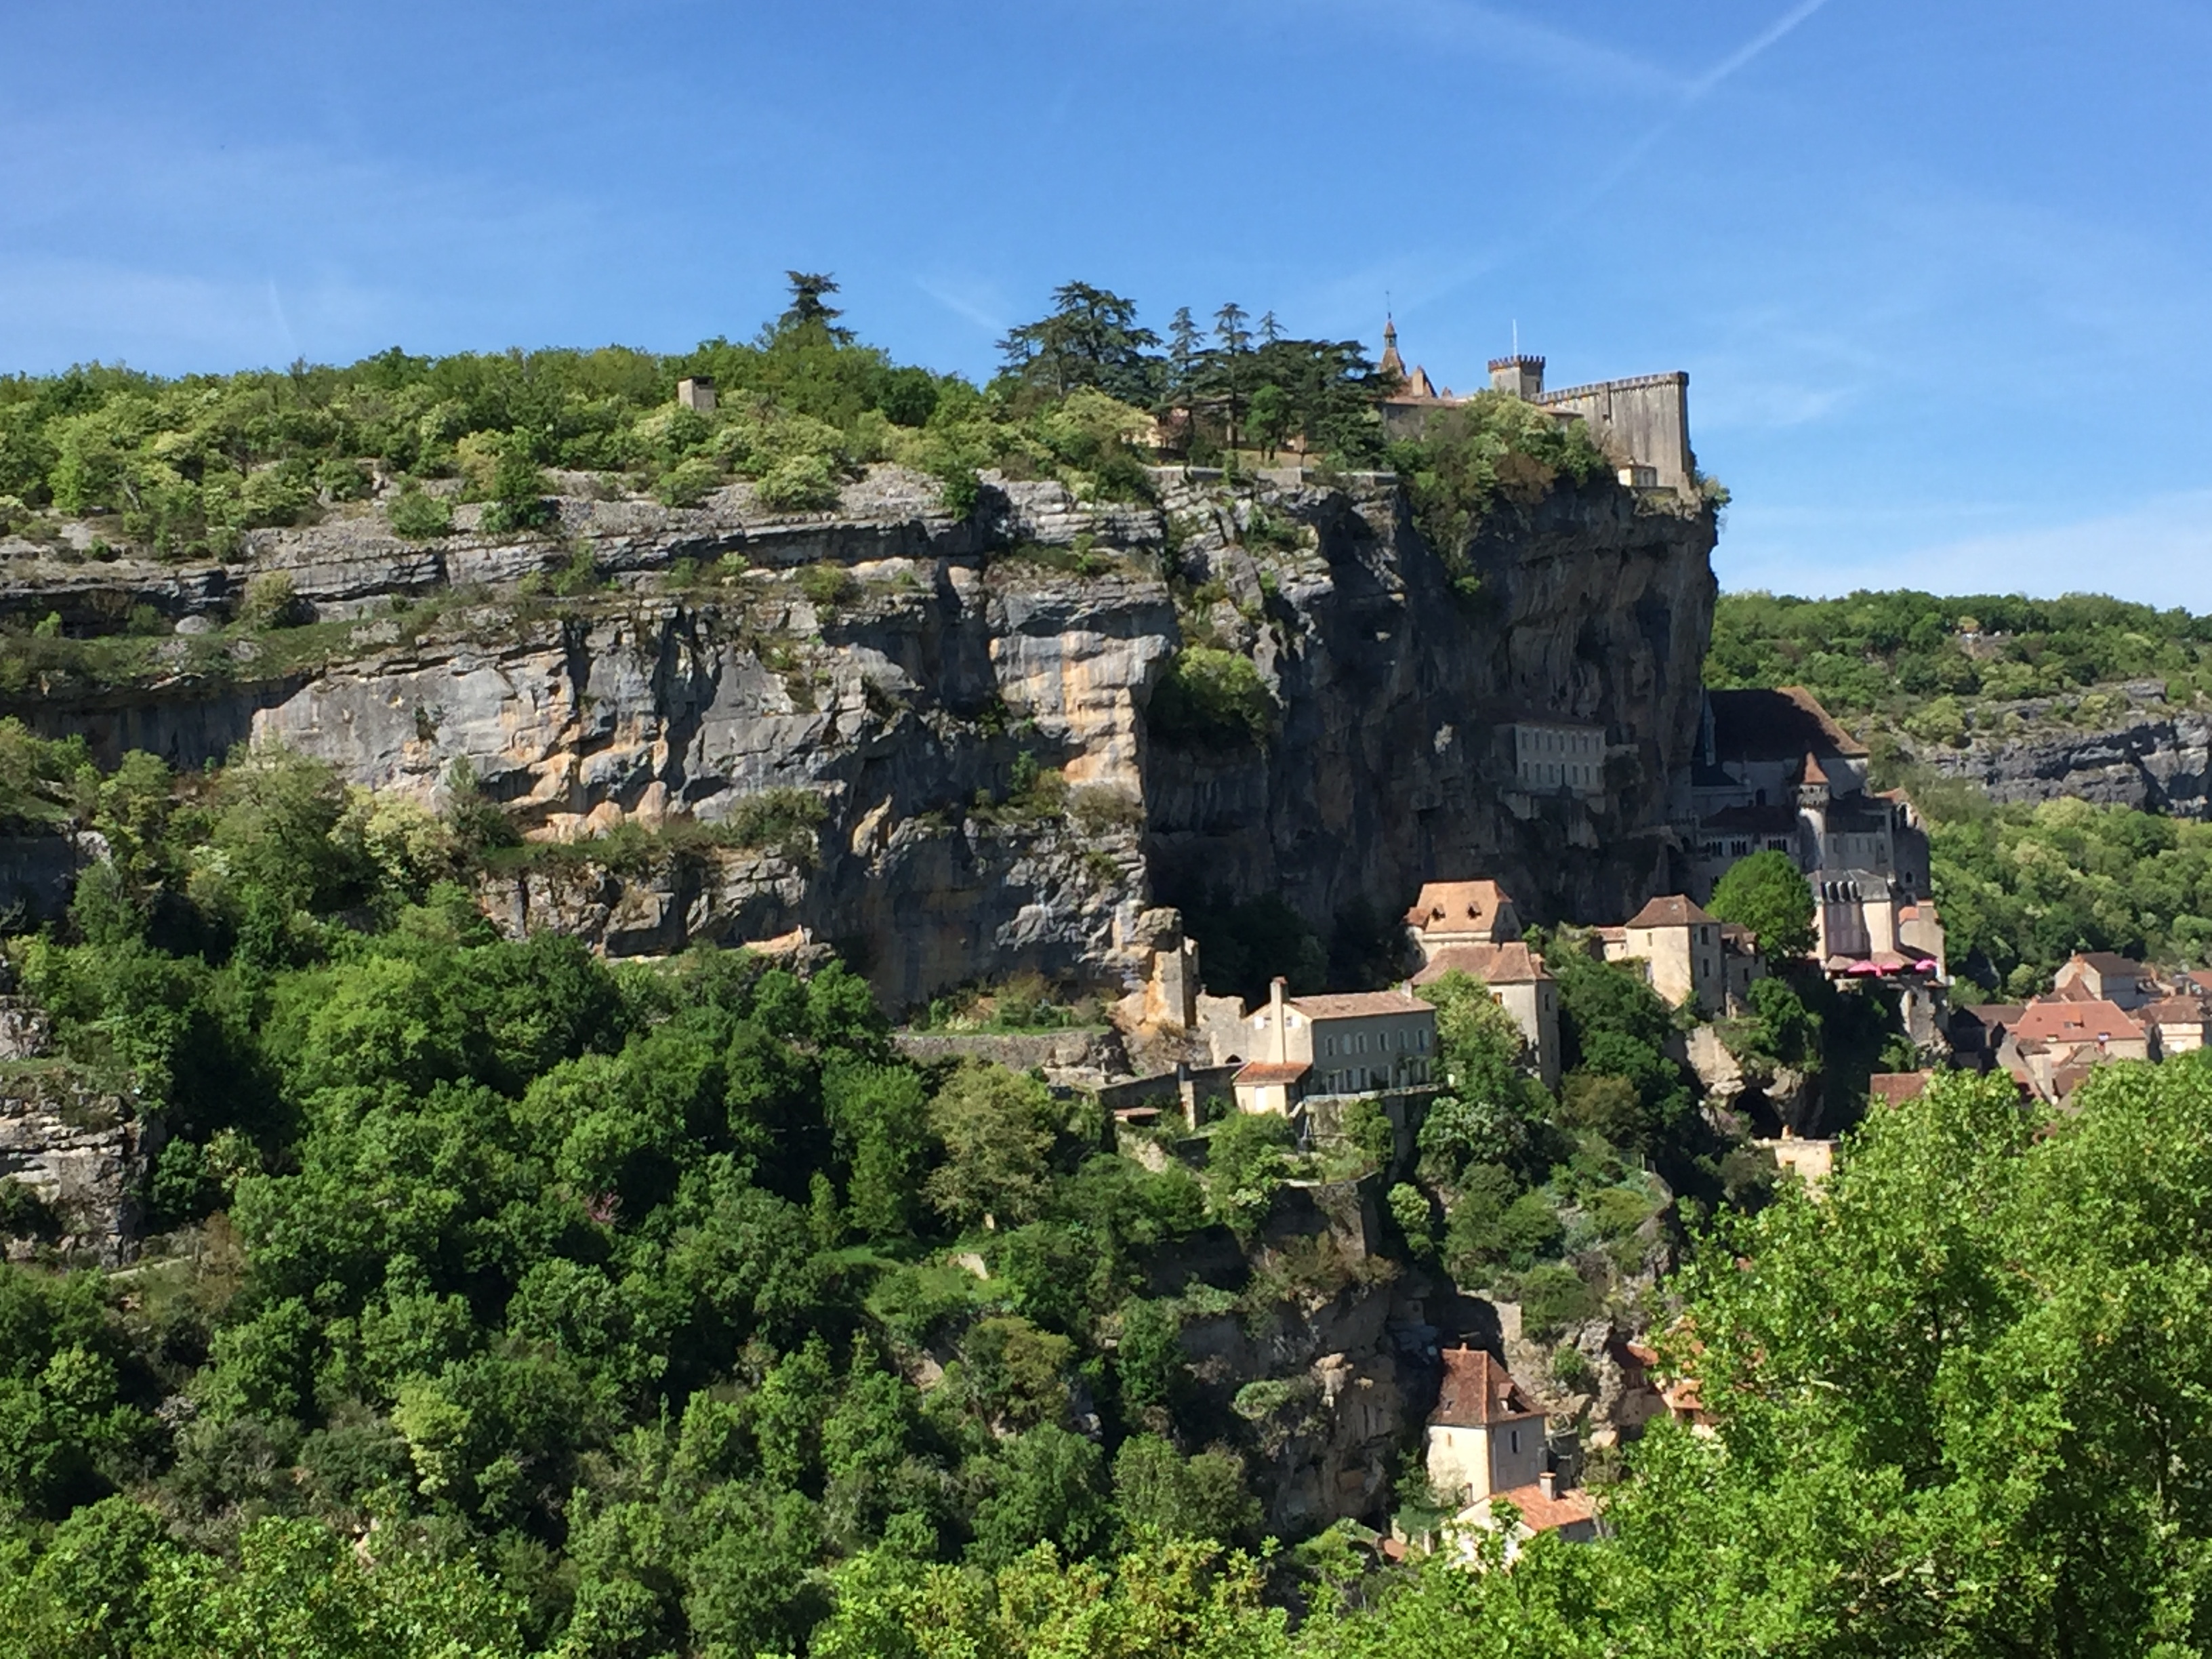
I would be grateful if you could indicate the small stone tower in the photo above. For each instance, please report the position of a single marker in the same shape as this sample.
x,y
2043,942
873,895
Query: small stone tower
x,y
1520,375
696,393
1392,363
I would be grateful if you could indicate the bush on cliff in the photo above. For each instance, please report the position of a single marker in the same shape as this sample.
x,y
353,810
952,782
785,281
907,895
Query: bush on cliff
x,y
1211,696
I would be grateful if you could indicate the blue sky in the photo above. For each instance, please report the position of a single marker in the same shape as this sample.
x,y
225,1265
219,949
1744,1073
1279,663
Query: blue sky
x,y
1939,273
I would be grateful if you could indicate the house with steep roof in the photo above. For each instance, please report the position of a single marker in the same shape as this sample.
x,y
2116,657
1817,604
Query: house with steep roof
x,y
1362,1042
1517,980
1483,1436
1681,950
2107,976
1485,1445
2178,1023
1448,914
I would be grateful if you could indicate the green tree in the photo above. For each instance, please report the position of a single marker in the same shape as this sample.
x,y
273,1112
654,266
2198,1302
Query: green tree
x,y
1768,894
996,1129
1089,339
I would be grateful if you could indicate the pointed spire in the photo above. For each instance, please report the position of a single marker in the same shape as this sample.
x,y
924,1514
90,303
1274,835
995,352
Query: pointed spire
x,y
1392,363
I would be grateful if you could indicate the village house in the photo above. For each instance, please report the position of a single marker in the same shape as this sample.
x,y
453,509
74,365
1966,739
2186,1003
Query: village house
x,y
1356,1043
2178,1023
1485,1444
1516,978
1448,914
1679,949
2057,1041
2106,977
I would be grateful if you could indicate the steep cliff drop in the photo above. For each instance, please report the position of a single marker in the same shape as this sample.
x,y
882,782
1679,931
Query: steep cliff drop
x,y
940,743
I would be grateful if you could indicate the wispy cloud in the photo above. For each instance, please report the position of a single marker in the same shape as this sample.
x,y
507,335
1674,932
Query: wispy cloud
x,y
1501,36
970,301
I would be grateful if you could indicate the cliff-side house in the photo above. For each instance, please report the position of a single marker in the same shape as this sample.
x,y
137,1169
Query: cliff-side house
x,y
1356,1043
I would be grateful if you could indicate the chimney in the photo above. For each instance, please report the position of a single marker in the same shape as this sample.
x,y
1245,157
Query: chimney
x,y
1548,1483
1275,1015
1519,376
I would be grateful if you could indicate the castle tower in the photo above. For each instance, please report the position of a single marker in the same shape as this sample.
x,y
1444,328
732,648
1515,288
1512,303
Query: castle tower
x,y
1519,376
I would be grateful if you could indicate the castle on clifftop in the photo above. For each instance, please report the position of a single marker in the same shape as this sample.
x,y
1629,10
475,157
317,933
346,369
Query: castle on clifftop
x,y
1643,423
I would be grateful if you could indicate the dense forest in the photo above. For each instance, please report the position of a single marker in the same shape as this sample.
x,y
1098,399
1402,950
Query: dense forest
x,y
664,1307
1935,668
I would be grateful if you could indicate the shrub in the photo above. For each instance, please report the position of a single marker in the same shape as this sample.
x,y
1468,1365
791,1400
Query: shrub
x,y
827,587
271,602
689,483
1553,1296
1208,695
1099,809
806,482
517,494
418,515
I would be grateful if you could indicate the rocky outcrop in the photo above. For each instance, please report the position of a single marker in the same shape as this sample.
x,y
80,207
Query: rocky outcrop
x,y
79,1152
2159,762
897,665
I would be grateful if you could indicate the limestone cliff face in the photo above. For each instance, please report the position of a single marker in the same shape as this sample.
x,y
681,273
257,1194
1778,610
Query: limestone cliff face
x,y
1393,761
2158,762
710,659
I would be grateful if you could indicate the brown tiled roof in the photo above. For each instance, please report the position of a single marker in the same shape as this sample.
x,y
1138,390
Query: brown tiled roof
x,y
1544,1512
2177,1010
1812,773
1477,1390
2074,1022
1353,1004
1452,906
1779,725
2111,965
1672,911
1896,1087
1271,1071
2006,1014
1493,965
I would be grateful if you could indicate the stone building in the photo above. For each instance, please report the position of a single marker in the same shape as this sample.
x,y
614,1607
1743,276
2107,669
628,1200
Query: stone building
x,y
1484,1437
2104,976
1517,982
1681,951
1773,772
1641,423
1357,1043
696,393
1448,914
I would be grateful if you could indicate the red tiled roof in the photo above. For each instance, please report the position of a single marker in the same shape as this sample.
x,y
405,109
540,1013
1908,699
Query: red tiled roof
x,y
1896,1087
1478,1391
1271,1071
1545,1512
1493,965
1813,773
1354,1005
2074,1022
1453,907
1673,911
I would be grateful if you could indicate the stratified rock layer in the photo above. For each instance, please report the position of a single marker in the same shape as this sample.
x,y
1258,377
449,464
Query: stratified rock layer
x,y
720,662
